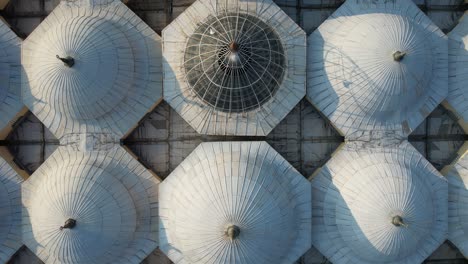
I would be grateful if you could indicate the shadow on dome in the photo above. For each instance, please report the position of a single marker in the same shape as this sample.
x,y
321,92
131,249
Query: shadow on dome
x,y
361,99
170,77
355,81
172,252
359,230
10,211
326,99
89,81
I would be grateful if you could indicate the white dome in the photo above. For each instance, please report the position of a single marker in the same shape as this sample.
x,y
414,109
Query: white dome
x,y
377,67
458,205
94,68
458,70
10,75
109,195
10,211
235,202
376,205
227,78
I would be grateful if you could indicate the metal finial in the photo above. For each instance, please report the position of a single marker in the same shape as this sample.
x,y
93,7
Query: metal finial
x,y
68,61
398,55
70,223
398,221
233,46
232,232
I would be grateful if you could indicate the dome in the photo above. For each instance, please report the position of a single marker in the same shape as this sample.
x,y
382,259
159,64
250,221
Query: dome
x,y
234,69
378,205
90,207
10,211
10,74
235,202
458,205
458,58
234,62
94,68
377,66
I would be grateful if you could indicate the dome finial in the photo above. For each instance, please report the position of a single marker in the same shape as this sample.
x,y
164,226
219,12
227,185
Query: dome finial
x,y
398,221
398,55
70,224
232,232
233,46
68,61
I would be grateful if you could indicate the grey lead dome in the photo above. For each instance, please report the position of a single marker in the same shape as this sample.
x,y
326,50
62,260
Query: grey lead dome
x,y
90,207
458,204
91,66
10,74
376,204
234,62
235,202
10,211
377,66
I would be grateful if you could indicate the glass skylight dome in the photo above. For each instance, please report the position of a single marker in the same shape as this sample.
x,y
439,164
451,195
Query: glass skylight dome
x,y
234,62
234,67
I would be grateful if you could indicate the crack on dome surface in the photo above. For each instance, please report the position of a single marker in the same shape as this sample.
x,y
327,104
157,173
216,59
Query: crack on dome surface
x,y
234,62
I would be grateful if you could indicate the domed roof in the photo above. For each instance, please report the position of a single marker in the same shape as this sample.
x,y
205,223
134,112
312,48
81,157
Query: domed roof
x,y
377,66
235,202
10,74
234,68
458,70
90,207
92,66
10,211
378,205
458,204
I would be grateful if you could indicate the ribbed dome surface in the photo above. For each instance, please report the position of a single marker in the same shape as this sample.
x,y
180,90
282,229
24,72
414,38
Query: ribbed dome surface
x,y
234,67
110,197
458,205
10,211
10,75
377,66
92,67
458,70
245,185
103,63
378,206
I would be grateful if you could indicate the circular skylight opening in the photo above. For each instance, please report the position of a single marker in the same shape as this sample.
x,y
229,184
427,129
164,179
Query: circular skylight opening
x,y
234,62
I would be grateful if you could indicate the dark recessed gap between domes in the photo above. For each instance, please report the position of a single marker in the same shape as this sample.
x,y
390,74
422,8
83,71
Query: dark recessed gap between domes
x,y
439,137
163,139
30,143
